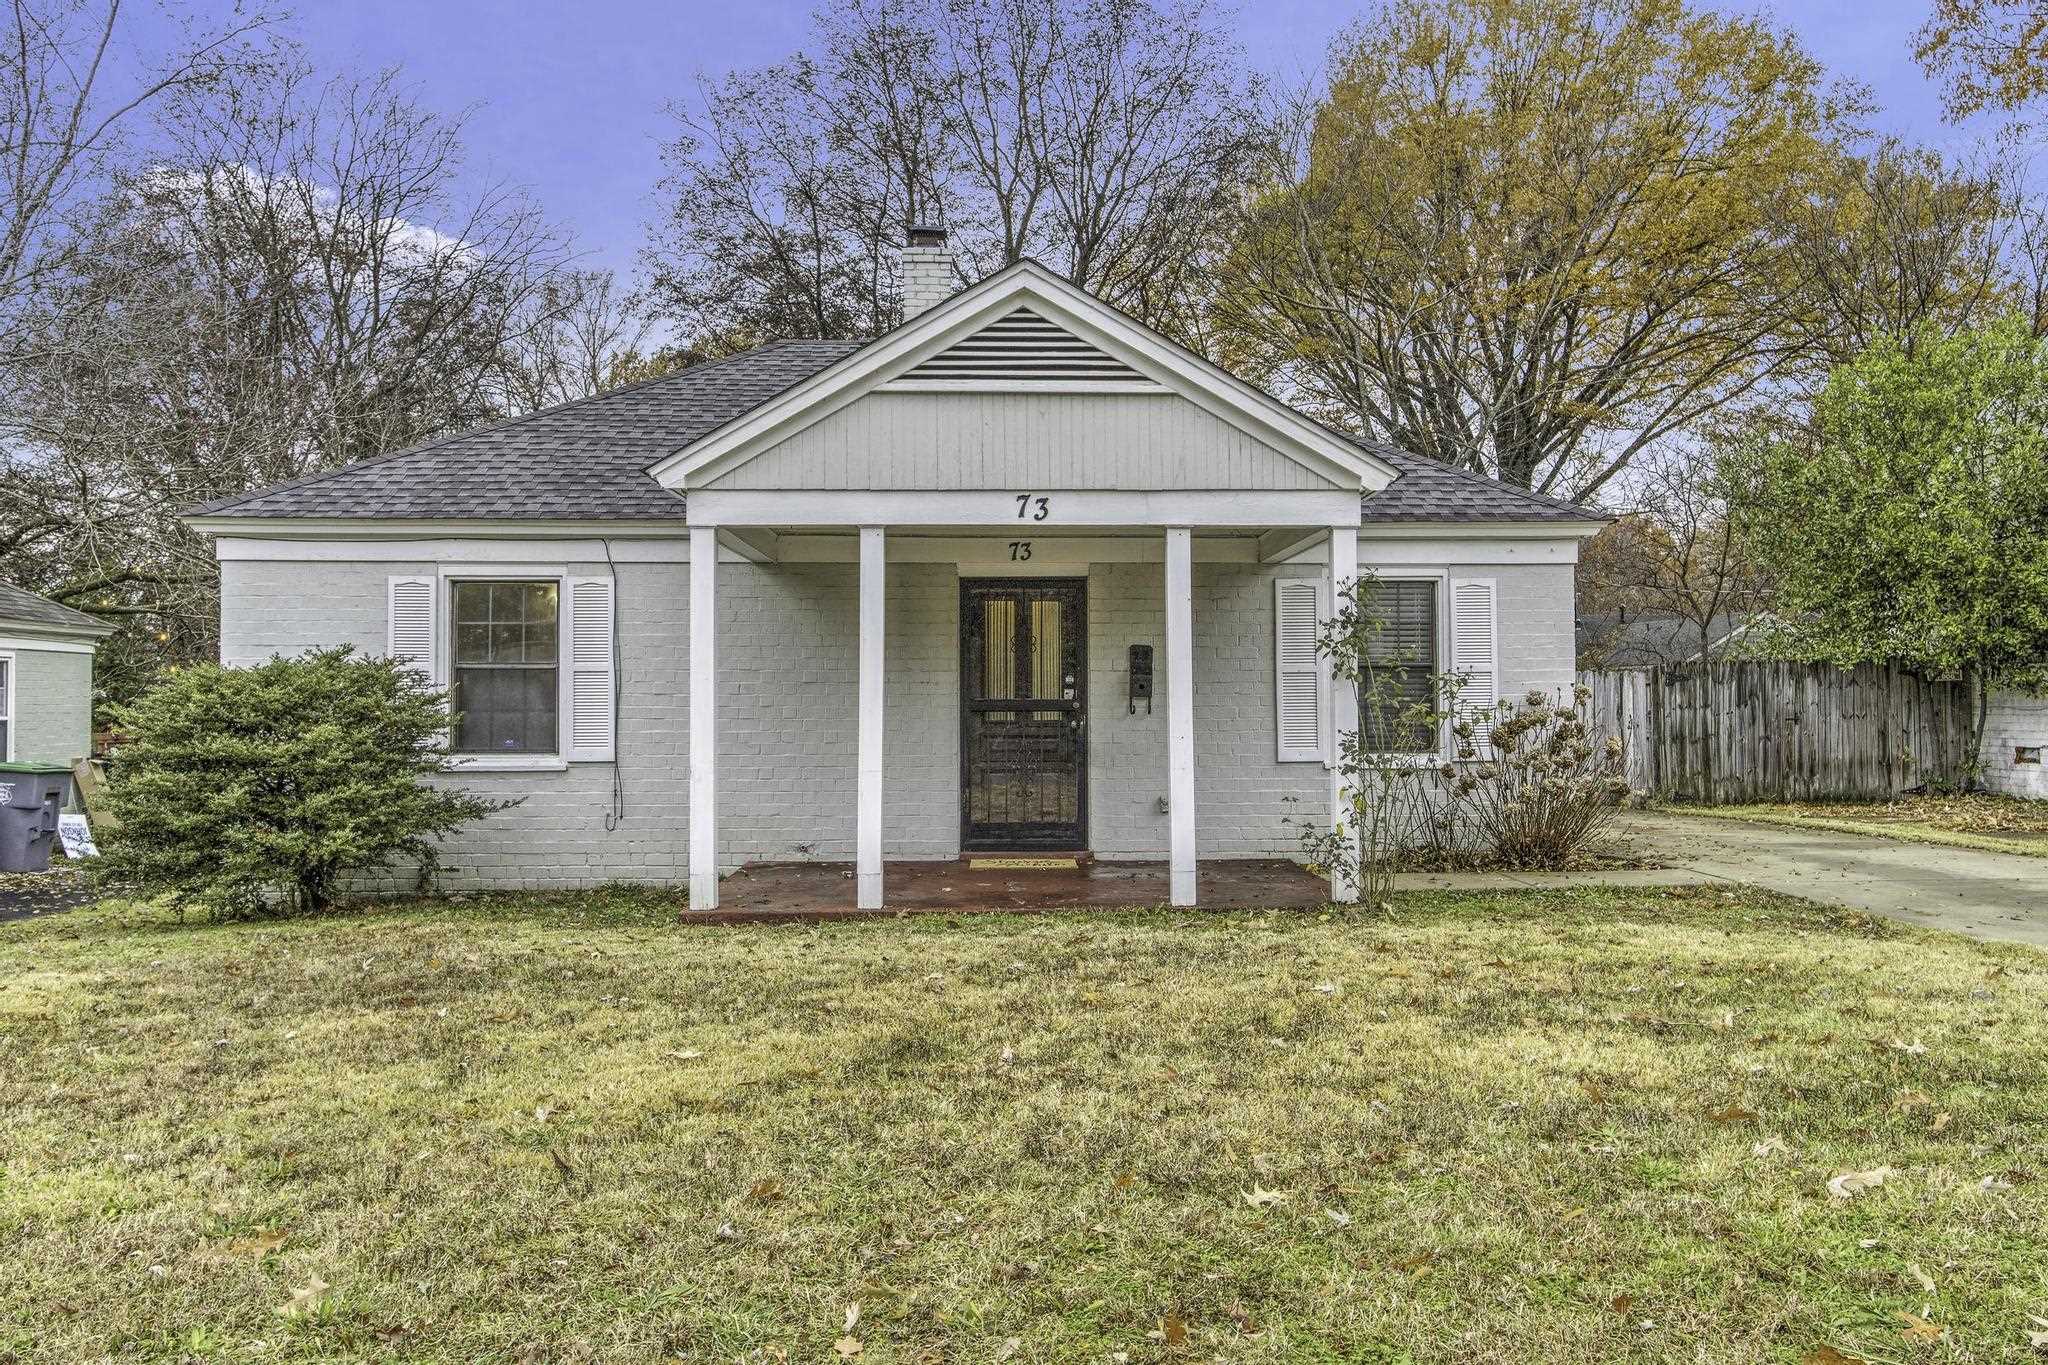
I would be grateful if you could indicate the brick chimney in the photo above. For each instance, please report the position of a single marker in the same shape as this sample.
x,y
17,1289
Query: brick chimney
x,y
928,275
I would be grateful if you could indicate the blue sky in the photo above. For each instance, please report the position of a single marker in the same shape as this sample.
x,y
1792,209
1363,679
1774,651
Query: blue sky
x,y
568,96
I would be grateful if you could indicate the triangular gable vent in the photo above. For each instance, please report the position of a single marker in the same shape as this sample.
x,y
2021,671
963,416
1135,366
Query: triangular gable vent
x,y
1023,348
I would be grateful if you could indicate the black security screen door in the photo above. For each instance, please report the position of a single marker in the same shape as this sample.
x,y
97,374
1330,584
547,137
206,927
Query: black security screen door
x,y
1024,713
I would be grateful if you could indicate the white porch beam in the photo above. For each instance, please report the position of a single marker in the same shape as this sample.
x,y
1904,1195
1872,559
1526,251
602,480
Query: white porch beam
x,y
1343,708
1286,543
1180,714
755,544
868,818
703,718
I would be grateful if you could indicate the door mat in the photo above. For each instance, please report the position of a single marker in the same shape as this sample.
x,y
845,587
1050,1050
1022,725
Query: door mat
x,y
1023,865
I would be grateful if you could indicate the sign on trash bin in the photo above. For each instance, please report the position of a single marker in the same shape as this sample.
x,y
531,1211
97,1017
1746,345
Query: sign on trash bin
x,y
77,837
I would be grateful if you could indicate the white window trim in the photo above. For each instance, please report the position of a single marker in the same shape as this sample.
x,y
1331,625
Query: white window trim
x,y
1442,578
7,712
443,670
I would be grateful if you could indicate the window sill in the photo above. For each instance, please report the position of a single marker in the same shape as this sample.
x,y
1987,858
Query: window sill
x,y
508,763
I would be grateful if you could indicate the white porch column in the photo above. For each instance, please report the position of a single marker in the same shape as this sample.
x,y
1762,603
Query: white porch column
x,y
1343,706
1180,713
868,818
703,718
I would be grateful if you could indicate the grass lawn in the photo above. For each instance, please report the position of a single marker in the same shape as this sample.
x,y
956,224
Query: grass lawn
x,y
2000,824
1566,1127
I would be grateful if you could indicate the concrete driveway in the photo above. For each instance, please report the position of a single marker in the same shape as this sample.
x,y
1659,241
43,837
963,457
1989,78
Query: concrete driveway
x,y
1987,895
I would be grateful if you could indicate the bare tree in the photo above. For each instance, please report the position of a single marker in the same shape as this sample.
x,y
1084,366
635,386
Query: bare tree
x,y
1676,556
64,112
582,333
1103,137
297,283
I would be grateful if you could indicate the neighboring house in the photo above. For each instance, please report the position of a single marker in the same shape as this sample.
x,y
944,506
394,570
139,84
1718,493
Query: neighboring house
x,y
1020,574
1655,639
2015,755
46,655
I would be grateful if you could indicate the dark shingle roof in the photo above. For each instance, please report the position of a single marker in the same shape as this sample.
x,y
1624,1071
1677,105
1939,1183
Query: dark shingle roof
x,y
588,460
25,608
585,460
1430,491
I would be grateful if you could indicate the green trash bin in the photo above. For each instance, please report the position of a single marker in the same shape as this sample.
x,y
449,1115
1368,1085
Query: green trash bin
x,y
31,795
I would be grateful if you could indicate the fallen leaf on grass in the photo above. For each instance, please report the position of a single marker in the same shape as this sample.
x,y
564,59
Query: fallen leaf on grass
x,y
1941,1121
848,1347
2037,1338
1920,1329
1418,1265
259,1243
1769,1146
1261,1198
852,1318
765,1191
1621,1303
1925,1280
1731,1113
1911,1099
1171,1330
1851,1183
685,1055
1338,1216
1593,1091
304,1299
1828,1355
1122,1183
1916,1048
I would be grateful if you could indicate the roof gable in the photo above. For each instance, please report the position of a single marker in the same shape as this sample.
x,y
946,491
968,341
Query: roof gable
x,y
1064,320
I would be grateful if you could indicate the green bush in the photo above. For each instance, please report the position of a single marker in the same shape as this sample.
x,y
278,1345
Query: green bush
x,y
245,789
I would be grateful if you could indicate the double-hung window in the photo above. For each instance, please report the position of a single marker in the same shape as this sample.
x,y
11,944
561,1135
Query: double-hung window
x,y
505,657
1398,690
6,708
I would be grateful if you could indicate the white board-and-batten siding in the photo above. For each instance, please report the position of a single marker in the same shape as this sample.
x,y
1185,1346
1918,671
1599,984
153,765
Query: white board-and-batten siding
x,y
945,441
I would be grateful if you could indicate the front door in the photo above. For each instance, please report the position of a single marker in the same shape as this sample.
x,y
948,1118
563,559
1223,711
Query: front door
x,y
1024,713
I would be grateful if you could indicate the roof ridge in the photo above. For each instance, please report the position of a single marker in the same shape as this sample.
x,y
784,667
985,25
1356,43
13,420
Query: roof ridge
x,y
227,501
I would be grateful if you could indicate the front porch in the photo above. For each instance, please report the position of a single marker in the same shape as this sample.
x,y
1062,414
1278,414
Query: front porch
x,y
767,892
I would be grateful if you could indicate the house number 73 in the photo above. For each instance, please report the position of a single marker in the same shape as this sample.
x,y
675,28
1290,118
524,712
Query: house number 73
x,y
1033,506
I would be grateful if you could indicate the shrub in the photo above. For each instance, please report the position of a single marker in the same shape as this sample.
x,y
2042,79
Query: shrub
x,y
1546,789
241,789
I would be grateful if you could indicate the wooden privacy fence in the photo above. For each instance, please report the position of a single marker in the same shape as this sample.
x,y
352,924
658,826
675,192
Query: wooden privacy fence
x,y
1725,734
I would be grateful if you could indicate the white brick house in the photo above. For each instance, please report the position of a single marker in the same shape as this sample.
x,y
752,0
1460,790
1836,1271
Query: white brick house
x,y
897,600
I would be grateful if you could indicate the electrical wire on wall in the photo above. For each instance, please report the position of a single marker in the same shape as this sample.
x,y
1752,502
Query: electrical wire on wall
x,y
616,816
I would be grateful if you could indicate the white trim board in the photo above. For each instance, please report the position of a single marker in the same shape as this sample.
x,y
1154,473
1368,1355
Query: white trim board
x,y
999,509
1025,284
13,689
51,644
404,528
230,549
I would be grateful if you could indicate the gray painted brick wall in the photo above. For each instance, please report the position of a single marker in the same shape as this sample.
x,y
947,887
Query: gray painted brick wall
x,y
787,707
51,705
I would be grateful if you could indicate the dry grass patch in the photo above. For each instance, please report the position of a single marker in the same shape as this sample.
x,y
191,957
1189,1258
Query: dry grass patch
x,y
1544,1127
1995,824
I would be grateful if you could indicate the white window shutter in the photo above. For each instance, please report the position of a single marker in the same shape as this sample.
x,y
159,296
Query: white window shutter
x,y
593,694
409,621
1299,605
1475,653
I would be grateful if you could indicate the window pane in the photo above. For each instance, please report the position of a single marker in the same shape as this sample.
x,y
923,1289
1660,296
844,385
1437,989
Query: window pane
x,y
1401,663
4,726
505,710
472,602
504,681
